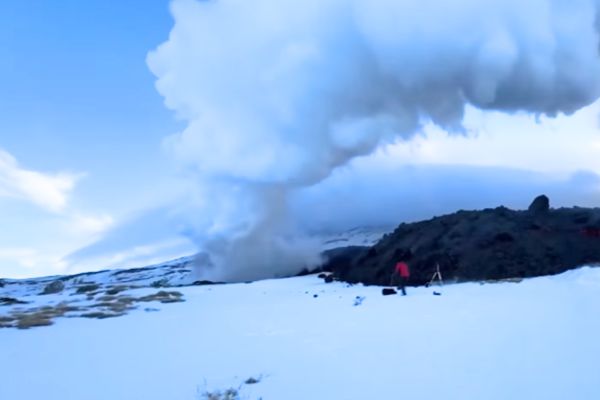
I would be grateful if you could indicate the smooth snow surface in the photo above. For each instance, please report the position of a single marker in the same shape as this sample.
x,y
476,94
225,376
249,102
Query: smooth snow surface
x,y
537,339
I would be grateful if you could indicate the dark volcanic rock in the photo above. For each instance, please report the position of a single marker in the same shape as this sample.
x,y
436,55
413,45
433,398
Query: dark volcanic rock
x,y
540,204
479,245
9,301
54,287
206,283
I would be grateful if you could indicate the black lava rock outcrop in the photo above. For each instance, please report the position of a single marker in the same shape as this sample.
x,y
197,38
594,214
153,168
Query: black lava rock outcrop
x,y
479,245
540,204
9,301
53,287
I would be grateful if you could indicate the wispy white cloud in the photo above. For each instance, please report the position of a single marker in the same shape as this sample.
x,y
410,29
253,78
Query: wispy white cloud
x,y
24,262
149,237
40,237
88,224
140,255
564,144
48,191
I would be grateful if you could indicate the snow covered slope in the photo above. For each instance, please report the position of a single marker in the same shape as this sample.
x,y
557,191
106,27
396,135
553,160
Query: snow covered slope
x,y
172,273
304,339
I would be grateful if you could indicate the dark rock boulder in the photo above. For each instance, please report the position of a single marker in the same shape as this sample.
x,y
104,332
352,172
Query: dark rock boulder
x,y
540,204
327,277
489,244
206,283
54,287
9,301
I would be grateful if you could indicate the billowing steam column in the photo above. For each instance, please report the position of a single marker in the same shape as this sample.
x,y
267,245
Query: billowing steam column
x,y
276,94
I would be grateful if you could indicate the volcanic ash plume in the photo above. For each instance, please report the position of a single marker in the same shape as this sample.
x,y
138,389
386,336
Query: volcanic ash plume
x,y
276,94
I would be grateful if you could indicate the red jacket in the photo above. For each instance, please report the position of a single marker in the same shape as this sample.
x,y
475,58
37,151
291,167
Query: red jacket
x,y
402,269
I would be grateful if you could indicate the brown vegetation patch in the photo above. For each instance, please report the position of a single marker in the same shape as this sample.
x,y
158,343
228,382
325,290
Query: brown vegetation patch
x,y
163,296
126,300
115,307
35,317
6,322
108,306
32,320
101,315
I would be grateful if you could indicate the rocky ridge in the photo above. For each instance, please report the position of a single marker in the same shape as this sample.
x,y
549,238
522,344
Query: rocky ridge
x,y
490,244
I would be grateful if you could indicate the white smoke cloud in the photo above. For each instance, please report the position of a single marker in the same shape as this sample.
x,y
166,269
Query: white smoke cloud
x,y
277,94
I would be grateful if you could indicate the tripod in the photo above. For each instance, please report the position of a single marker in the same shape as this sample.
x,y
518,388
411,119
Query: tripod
x,y
437,275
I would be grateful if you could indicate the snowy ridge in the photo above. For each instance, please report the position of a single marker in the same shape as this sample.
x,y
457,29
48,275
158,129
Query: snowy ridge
x,y
173,273
178,272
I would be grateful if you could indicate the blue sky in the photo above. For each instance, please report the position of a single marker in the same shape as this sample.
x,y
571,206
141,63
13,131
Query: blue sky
x,y
77,94
89,180
78,98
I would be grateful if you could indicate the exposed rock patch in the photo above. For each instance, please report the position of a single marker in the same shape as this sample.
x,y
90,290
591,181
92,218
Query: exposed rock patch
x,y
9,301
54,287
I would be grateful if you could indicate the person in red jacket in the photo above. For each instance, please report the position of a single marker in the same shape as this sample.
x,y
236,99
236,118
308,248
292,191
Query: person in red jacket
x,y
401,275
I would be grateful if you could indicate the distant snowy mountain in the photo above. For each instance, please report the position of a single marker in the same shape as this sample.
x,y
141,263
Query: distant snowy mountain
x,y
359,236
172,273
178,272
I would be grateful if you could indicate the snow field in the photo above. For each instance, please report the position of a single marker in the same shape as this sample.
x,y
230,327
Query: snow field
x,y
537,339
